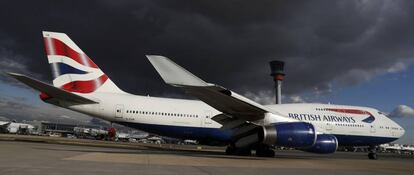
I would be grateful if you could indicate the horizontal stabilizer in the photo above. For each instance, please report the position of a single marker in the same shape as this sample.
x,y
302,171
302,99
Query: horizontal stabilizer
x,y
51,90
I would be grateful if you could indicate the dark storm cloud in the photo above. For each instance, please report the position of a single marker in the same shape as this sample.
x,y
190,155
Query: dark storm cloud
x,y
324,43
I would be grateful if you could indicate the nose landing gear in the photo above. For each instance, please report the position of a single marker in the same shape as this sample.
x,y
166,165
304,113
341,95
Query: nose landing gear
x,y
373,153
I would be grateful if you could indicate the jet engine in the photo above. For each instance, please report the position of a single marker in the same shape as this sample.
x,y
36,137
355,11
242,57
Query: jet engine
x,y
325,144
294,134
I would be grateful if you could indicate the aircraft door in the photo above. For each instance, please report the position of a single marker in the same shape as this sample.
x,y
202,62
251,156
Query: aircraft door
x,y
329,127
207,118
372,129
119,110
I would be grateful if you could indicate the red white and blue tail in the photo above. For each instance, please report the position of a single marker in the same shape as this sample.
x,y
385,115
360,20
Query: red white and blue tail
x,y
72,69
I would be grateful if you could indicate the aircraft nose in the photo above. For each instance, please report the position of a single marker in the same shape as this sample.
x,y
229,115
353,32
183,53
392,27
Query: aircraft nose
x,y
402,131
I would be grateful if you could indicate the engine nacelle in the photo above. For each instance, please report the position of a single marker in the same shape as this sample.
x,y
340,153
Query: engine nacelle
x,y
325,144
294,134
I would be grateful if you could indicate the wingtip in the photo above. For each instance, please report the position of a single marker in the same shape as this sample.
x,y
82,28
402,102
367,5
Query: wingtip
x,y
151,57
173,73
13,74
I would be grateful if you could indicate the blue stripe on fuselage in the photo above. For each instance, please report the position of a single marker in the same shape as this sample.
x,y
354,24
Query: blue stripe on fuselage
x,y
216,134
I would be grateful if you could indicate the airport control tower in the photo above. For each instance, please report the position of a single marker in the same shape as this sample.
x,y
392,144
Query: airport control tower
x,y
276,68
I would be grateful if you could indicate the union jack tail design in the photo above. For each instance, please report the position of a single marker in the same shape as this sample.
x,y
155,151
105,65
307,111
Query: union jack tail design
x,y
72,69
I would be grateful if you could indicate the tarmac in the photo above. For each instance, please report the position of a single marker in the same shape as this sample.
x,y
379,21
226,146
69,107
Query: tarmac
x,y
23,157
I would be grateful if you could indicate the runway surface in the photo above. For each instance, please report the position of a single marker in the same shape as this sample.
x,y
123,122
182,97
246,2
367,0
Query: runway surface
x,y
56,159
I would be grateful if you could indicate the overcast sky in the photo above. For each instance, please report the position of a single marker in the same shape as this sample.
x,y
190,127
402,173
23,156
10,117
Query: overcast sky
x,y
344,52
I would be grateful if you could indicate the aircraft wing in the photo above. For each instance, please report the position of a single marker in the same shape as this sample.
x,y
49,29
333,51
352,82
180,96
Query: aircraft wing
x,y
224,100
4,123
51,90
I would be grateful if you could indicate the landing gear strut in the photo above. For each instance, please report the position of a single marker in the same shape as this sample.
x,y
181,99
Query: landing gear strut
x,y
264,151
232,150
373,153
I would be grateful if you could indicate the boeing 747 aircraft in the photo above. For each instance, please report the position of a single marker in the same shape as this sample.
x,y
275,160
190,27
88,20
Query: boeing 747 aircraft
x,y
219,117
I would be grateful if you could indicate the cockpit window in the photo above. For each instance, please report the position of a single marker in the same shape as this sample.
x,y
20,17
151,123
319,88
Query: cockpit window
x,y
383,114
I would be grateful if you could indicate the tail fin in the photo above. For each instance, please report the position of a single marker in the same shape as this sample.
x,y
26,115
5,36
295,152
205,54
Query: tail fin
x,y
72,69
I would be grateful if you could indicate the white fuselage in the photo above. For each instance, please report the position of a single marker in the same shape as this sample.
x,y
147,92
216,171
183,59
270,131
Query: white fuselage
x,y
165,116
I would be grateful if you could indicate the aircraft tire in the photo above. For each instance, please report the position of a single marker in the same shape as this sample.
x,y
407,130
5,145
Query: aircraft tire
x,y
373,156
230,150
265,153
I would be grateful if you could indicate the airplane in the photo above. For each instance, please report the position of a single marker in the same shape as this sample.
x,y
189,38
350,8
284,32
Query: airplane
x,y
391,147
219,117
3,126
409,149
14,127
397,148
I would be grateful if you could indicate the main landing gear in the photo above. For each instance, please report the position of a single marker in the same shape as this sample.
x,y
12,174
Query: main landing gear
x,y
261,151
232,150
264,151
372,152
